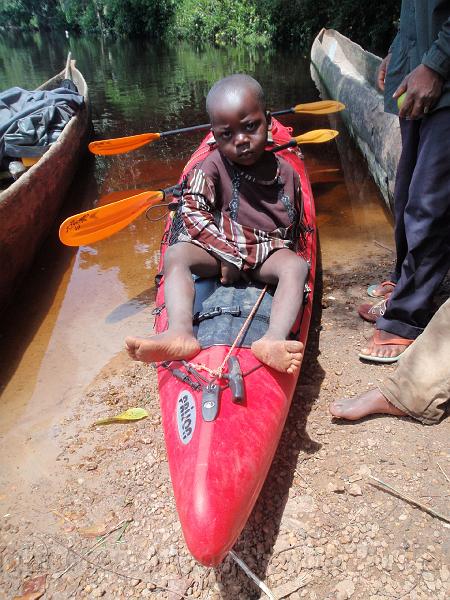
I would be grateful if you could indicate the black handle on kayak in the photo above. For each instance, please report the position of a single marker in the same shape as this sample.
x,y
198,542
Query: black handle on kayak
x,y
235,380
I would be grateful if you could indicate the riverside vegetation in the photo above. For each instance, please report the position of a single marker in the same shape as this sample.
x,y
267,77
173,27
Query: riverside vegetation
x,y
223,22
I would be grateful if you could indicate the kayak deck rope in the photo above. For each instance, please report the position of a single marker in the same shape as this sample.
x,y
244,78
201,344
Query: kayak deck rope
x,y
217,373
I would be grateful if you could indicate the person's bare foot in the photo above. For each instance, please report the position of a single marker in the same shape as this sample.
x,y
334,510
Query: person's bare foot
x,y
282,355
379,346
164,346
370,403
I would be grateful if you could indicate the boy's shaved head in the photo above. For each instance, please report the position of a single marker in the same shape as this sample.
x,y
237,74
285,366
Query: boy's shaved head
x,y
239,120
233,87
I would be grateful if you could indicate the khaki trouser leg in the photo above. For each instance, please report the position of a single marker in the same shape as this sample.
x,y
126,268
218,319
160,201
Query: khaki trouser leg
x,y
420,386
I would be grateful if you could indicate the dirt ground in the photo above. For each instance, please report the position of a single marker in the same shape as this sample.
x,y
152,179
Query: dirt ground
x,y
321,528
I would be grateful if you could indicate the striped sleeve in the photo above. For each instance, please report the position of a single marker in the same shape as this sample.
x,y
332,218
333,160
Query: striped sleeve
x,y
199,206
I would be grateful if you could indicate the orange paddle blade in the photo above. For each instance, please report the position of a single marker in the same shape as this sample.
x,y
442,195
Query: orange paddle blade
x,y
123,144
317,136
98,223
322,107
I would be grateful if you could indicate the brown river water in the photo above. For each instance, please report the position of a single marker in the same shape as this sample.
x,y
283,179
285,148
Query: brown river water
x,y
70,317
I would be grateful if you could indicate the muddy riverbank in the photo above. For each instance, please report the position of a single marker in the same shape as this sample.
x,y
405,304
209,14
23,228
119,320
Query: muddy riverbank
x,y
320,529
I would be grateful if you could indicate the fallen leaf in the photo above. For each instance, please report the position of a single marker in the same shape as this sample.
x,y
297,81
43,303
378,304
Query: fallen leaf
x,y
93,531
33,588
132,414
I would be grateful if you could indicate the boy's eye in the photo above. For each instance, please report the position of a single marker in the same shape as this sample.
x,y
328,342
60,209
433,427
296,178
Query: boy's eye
x,y
250,126
225,135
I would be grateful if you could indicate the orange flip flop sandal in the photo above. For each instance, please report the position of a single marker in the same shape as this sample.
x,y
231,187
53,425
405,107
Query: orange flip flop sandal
x,y
399,341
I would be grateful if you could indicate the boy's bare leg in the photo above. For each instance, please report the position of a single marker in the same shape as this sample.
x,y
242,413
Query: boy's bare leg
x,y
178,342
372,402
288,272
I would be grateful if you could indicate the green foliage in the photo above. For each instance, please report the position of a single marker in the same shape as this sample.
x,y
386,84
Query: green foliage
x,y
222,22
81,15
27,14
373,25
138,17
14,13
122,17
297,22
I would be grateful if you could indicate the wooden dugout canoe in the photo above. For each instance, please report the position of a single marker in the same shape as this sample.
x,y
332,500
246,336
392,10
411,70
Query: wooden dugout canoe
x,y
29,206
345,71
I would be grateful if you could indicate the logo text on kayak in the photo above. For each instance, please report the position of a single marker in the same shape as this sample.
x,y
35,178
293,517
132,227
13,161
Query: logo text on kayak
x,y
186,416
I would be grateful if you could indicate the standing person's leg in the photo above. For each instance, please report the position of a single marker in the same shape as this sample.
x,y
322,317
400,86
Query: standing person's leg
x,y
405,170
410,142
178,342
288,272
420,386
427,228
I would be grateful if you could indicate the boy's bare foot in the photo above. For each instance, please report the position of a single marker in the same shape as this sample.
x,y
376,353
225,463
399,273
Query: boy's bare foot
x,y
370,403
164,346
282,355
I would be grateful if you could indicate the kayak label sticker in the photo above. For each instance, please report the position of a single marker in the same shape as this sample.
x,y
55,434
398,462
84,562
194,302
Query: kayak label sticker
x,y
186,416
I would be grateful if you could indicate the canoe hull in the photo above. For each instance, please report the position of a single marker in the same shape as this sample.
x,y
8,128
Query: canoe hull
x,y
346,72
30,205
219,467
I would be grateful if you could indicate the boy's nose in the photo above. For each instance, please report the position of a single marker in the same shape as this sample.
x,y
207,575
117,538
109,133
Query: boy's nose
x,y
241,138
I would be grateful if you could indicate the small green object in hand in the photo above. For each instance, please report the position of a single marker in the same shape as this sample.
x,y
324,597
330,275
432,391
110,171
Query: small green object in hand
x,y
400,100
132,414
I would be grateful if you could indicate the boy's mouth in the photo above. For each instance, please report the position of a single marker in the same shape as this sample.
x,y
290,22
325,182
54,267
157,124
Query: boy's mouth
x,y
245,155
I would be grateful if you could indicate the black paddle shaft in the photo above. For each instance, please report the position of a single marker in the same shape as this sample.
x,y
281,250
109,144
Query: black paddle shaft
x,y
205,126
292,144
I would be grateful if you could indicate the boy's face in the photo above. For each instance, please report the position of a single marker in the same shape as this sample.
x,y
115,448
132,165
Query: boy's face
x,y
240,126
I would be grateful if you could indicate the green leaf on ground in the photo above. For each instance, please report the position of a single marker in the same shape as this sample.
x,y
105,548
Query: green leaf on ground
x,y
132,414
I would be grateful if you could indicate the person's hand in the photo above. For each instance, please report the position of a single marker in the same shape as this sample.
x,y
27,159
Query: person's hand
x,y
229,273
382,70
423,87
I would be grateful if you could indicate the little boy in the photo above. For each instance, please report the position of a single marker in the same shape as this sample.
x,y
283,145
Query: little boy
x,y
241,214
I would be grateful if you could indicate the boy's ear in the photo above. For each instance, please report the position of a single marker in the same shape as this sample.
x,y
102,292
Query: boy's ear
x,y
269,119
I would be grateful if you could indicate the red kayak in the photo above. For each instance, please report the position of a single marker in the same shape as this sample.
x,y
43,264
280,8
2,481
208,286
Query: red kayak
x,y
222,431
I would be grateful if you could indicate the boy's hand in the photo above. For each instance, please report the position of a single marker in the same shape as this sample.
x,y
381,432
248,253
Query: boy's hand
x,y
382,70
229,273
